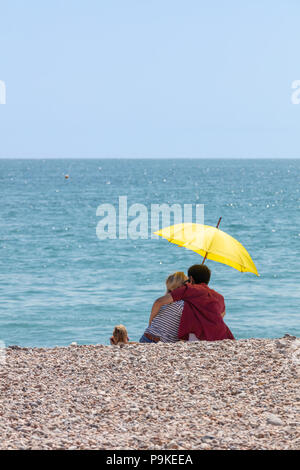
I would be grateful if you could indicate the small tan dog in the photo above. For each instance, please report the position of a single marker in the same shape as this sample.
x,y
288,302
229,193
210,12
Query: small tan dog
x,y
120,336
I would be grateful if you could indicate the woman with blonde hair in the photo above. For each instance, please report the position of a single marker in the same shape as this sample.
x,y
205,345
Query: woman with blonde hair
x,y
164,327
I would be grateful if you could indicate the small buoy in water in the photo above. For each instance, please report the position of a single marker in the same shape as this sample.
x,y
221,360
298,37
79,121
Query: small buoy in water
x,y
66,177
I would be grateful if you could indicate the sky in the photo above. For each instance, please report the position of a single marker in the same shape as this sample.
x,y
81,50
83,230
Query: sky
x,y
149,79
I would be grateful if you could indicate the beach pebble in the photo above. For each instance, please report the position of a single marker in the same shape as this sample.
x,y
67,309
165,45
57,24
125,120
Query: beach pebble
x,y
273,419
207,438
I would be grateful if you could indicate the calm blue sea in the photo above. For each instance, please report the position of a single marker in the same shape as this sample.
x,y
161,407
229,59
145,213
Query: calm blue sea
x,y
59,283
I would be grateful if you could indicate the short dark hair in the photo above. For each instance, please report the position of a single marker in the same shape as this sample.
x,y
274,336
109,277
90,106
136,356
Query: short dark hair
x,y
200,273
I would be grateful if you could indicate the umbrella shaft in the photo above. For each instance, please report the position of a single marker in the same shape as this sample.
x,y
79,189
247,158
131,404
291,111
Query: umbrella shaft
x,y
217,226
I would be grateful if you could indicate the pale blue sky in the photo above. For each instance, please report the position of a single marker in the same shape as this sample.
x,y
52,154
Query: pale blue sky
x,y
149,78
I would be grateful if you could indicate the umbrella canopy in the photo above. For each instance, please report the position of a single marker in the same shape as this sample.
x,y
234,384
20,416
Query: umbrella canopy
x,y
211,243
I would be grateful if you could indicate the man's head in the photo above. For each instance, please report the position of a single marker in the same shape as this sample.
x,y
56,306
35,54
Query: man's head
x,y
199,273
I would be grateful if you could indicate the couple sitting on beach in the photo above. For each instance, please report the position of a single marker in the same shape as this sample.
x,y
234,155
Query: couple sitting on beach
x,y
189,311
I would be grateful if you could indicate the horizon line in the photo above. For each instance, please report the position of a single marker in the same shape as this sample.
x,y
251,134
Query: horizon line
x,y
149,158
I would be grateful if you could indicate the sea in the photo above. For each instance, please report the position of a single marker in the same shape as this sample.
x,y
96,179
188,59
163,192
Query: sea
x,y
60,282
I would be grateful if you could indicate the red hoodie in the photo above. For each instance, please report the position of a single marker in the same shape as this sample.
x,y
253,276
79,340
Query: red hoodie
x,y
201,313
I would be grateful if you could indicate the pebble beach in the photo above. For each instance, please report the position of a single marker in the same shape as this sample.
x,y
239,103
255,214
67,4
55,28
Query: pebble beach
x,y
205,395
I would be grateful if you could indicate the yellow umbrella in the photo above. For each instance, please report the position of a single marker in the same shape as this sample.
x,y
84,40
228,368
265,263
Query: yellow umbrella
x,y
211,243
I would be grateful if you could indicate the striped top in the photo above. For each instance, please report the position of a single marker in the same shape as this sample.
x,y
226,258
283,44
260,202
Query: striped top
x,y
166,323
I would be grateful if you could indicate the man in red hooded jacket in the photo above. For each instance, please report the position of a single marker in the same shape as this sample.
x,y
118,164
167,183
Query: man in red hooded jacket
x,y
203,310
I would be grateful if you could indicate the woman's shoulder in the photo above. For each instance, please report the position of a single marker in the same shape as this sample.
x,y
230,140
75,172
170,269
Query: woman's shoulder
x,y
177,305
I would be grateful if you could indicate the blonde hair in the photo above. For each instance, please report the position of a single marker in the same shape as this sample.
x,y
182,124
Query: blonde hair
x,y
175,280
120,334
